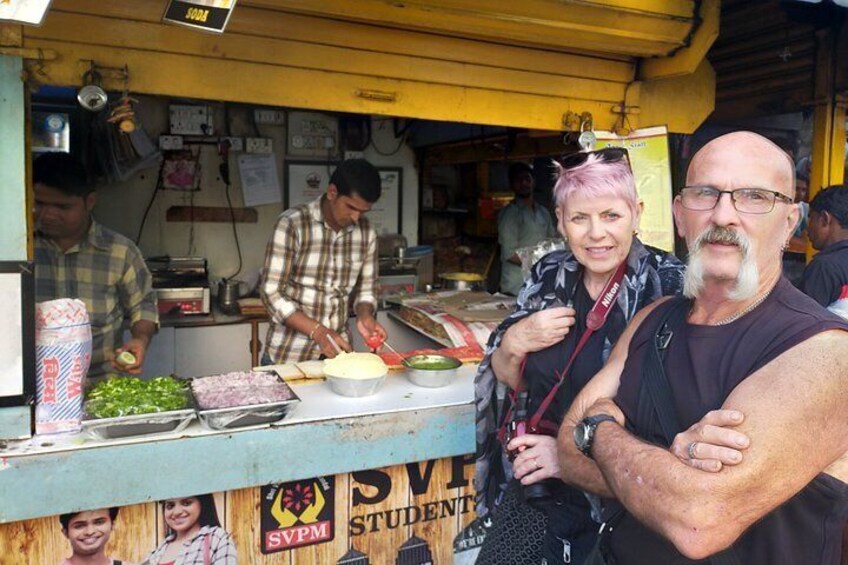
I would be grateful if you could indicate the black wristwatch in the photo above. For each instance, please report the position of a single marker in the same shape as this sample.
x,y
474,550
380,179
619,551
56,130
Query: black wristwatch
x,y
584,432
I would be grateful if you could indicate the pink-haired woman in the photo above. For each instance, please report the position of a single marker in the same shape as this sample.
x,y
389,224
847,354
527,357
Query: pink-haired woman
x,y
569,314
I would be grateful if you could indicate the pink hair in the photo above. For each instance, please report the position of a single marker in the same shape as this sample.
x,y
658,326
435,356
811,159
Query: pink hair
x,y
597,178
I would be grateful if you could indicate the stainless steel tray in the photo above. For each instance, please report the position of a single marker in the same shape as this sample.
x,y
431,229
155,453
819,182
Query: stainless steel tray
x,y
139,424
242,416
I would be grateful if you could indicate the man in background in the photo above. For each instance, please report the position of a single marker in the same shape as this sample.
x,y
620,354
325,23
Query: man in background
x,y
88,533
75,257
826,277
522,223
318,255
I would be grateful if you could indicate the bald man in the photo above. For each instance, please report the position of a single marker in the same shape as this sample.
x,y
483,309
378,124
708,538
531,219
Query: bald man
x,y
747,463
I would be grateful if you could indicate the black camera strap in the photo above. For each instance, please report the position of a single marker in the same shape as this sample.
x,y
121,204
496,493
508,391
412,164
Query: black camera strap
x,y
595,320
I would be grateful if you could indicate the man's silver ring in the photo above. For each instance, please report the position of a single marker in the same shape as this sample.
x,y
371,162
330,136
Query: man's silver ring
x,y
691,449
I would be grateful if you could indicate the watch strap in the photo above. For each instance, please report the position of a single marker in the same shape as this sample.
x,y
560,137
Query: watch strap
x,y
591,424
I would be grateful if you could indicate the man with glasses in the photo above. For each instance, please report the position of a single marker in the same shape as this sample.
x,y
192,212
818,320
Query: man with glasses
x,y
826,277
745,379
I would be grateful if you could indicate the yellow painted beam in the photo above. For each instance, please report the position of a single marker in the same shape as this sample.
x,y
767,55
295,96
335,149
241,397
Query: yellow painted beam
x,y
236,81
255,22
575,25
11,35
152,38
687,59
682,103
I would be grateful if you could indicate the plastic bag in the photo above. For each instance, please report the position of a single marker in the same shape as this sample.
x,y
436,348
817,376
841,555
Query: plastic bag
x,y
62,358
530,255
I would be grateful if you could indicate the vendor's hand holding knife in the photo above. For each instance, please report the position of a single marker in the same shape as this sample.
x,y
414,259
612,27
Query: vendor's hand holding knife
x,y
330,342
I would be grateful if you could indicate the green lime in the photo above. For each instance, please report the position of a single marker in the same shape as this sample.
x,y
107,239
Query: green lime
x,y
126,358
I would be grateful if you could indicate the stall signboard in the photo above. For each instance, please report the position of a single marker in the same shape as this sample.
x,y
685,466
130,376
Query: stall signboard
x,y
210,15
24,11
410,514
649,157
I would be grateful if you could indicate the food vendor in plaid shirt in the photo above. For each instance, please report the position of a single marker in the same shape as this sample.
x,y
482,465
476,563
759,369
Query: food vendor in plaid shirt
x,y
76,257
323,255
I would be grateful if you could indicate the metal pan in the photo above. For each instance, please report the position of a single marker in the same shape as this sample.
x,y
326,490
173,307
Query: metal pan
x,y
139,424
243,416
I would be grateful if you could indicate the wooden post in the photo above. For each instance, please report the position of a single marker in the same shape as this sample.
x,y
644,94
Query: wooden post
x,y
828,153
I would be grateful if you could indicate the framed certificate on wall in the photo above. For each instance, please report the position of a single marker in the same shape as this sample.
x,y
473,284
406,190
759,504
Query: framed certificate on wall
x,y
305,181
385,215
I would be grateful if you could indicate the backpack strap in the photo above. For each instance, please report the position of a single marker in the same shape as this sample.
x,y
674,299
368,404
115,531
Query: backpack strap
x,y
655,386
655,383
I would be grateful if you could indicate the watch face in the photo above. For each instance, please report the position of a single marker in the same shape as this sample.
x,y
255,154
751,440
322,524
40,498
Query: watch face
x,y
581,436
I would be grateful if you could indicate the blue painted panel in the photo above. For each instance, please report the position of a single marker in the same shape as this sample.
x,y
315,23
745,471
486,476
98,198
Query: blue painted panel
x,y
50,484
15,422
13,230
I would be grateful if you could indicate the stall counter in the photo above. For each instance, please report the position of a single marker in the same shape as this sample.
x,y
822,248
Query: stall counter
x,y
326,434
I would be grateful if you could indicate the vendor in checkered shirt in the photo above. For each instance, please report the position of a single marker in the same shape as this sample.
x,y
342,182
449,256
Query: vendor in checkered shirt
x,y
76,257
323,255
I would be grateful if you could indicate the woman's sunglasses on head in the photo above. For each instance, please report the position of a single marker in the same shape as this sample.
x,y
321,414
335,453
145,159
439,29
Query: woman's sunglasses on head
x,y
608,154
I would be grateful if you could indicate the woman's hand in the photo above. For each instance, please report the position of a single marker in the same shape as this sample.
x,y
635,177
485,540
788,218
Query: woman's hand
x,y
540,330
536,460
711,443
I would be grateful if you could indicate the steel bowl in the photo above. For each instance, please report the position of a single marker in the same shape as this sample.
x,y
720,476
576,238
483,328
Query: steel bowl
x,y
462,281
355,387
420,372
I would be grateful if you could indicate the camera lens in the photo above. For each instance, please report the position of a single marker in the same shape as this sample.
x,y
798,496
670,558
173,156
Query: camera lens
x,y
538,495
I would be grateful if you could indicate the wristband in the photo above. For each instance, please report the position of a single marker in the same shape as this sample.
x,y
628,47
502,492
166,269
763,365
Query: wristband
x,y
312,333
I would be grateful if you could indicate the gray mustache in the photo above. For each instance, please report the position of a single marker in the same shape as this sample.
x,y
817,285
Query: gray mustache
x,y
721,234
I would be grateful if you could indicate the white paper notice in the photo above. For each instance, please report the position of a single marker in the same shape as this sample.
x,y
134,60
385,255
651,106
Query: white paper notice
x,y
259,181
11,341
25,11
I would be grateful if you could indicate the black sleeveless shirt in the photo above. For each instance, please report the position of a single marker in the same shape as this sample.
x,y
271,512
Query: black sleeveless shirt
x,y
703,365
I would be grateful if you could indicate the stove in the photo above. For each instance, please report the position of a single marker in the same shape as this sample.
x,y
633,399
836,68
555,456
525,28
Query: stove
x,y
181,284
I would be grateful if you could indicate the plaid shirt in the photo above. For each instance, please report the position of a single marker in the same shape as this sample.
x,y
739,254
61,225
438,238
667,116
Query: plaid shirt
x,y
107,272
222,550
311,268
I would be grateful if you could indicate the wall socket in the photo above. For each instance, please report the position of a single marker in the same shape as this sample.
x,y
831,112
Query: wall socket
x,y
259,145
170,142
236,143
265,116
190,120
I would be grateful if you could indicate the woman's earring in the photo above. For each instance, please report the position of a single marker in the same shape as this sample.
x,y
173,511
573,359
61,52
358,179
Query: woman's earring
x,y
635,232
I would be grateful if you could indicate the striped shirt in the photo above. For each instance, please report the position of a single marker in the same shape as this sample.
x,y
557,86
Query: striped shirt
x,y
310,267
221,549
107,272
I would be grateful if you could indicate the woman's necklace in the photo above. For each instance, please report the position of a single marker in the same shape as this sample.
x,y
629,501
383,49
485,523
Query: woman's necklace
x,y
737,315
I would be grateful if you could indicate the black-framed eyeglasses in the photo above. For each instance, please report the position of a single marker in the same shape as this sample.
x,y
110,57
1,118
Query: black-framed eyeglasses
x,y
747,200
608,154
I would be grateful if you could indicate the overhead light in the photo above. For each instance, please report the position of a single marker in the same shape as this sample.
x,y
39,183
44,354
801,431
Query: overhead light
x,y
24,11
210,15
